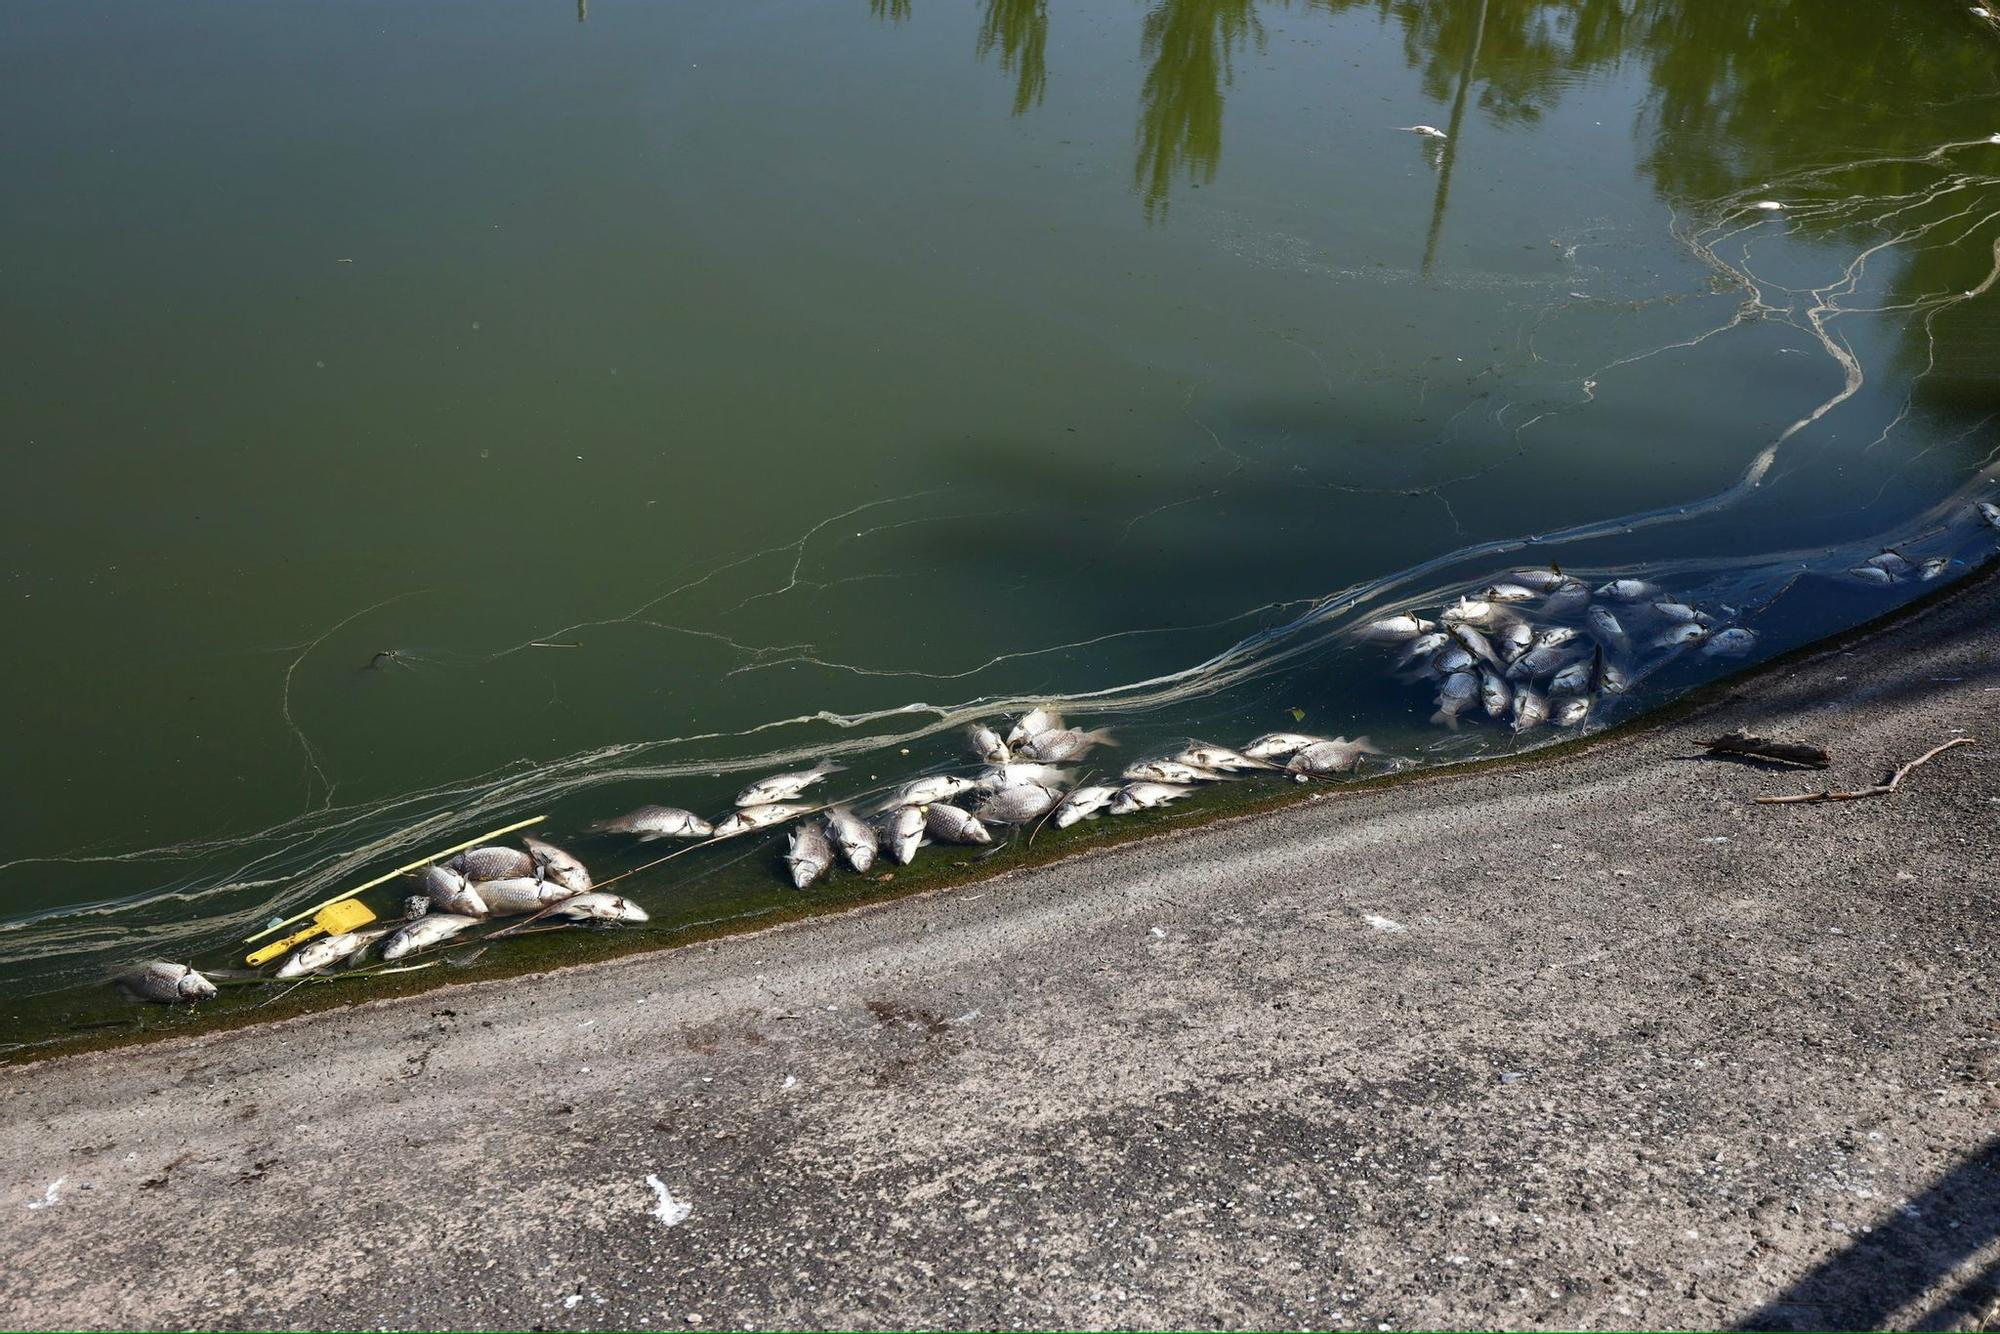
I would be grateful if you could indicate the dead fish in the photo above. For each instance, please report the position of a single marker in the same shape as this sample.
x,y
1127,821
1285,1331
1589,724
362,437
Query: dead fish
x,y
1514,639
1628,590
1573,679
1032,723
1531,709
1604,627
323,953
987,744
1729,643
557,865
166,983
1424,645
1567,598
758,817
1085,803
1278,745
1507,593
1017,805
1428,131
415,906
1217,759
854,836
1145,797
1068,743
1990,512
1542,581
1678,612
1338,756
1460,689
521,894
1890,560
651,822
808,854
949,824
1390,629
1933,567
1551,653
1571,711
1452,658
1477,644
1167,771
451,891
1872,574
903,830
1000,777
1467,611
1681,636
924,791
599,907
494,863
430,929
1495,694
1611,678
783,787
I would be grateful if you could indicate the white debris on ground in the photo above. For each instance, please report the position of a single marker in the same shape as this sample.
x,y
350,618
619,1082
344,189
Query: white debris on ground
x,y
1386,925
50,1195
669,1210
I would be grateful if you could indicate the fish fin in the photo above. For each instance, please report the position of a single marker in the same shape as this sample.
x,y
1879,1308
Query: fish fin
x,y
1363,744
825,767
1102,736
1448,719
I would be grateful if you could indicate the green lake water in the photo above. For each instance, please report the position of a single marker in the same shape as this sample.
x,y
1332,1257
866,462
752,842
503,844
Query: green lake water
x,y
423,416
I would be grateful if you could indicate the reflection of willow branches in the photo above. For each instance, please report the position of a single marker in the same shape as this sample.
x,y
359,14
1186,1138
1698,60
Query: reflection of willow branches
x,y
1189,44
1020,28
893,10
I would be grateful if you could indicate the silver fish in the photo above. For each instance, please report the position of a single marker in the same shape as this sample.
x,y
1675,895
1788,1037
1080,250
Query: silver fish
x,y
903,829
1571,711
1167,771
808,854
1933,567
1628,590
1678,612
783,787
1572,680
1217,759
521,894
1278,745
430,929
1085,803
1872,574
1541,660
315,955
651,822
1390,629
451,891
1507,593
1068,743
949,824
167,983
758,817
1604,627
1452,658
1017,805
415,906
1424,645
1477,644
1467,611
987,744
1892,561
1729,643
1455,696
924,791
1542,581
854,836
1531,709
1031,723
557,865
1567,598
599,907
1990,512
1145,797
1681,636
494,863
1337,756
1611,678
1514,640
1000,777
1495,694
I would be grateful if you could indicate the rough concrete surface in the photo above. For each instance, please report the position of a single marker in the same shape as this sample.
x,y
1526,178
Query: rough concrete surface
x,y
1591,1043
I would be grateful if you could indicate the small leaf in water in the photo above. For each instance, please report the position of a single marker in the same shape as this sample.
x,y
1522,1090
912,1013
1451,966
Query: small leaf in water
x,y
1298,715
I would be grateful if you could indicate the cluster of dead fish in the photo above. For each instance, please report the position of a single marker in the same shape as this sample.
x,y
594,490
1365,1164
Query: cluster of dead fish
x,y
1891,566
1541,646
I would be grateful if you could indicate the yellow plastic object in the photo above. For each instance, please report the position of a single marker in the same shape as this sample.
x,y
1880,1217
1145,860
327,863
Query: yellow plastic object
x,y
330,920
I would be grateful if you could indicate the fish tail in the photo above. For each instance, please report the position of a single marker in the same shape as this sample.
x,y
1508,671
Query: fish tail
x,y
1448,719
1362,743
1101,736
825,767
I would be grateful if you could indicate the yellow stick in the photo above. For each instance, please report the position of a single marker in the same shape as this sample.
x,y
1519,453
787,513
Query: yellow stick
x,y
400,870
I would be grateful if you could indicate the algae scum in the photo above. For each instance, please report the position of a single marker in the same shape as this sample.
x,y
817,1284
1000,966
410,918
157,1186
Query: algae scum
x,y
426,417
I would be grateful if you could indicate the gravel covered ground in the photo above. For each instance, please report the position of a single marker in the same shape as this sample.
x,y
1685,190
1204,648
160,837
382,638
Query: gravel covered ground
x,y
1590,1042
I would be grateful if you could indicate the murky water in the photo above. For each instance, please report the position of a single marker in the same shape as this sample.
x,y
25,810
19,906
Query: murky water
x,y
426,416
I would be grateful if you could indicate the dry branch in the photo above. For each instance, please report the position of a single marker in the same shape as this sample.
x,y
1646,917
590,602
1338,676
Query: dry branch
x,y
1882,789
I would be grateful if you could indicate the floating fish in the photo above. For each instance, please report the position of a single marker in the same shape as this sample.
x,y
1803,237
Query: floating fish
x,y
1531,709
1572,680
1729,643
1218,759
1571,712
1933,567
1000,777
1145,797
1678,612
1338,756
1068,743
1033,722
1605,628
903,831
1990,512
1542,581
987,744
1567,598
1495,694
318,955
1467,611
1017,805
1872,574
166,983
521,894
1629,590
759,817
949,824
1424,645
428,930
1551,653
599,907
1392,628
1452,658
1428,131
1477,644
1514,639
783,787
1278,745
1507,593
936,787
1681,636
1460,689
494,863
558,865
854,836
451,891
1892,561
1168,771
1085,803
808,854
651,822
1611,677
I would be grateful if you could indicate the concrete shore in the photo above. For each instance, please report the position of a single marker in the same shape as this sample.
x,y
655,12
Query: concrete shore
x,y
1593,1042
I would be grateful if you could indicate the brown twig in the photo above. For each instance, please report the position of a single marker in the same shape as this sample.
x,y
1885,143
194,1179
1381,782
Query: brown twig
x,y
1882,789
